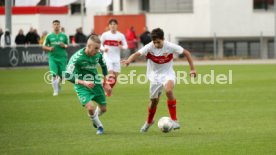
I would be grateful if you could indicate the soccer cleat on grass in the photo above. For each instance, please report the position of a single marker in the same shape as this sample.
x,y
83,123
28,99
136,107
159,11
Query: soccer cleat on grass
x,y
146,126
100,131
176,125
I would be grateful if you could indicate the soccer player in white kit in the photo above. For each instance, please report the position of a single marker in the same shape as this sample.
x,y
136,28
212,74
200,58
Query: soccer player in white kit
x,y
159,54
113,42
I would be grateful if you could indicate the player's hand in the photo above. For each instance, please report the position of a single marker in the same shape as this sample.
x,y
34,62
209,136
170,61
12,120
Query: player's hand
x,y
51,49
107,88
120,47
193,73
63,45
106,50
88,84
125,62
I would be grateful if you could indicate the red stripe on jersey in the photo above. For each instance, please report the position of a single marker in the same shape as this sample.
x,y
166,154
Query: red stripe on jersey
x,y
112,42
160,59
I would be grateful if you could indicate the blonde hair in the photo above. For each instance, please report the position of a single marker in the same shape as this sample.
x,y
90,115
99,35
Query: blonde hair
x,y
95,38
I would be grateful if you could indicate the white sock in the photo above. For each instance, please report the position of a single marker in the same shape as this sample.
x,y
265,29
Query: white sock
x,y
95,119
55,85
98,111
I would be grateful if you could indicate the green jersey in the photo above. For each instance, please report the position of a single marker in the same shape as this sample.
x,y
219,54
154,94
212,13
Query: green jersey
x,y
54,40
84,67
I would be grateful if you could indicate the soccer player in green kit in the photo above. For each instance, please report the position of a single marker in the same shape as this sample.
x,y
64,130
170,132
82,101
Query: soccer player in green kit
x,y
82,71
56,43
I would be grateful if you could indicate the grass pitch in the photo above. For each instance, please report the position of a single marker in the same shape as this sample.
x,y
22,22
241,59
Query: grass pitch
x,y
215,119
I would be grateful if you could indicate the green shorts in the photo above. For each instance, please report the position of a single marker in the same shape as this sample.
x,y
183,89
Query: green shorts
x,y
57,67
95,94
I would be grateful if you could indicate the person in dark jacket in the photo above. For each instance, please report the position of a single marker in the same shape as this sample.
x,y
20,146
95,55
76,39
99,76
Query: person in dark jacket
x,y
32,37
20,39
145,37
80,37
1,33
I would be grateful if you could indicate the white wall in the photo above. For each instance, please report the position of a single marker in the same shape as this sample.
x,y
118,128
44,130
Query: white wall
x,y
238,18
196,24
226,18
131,6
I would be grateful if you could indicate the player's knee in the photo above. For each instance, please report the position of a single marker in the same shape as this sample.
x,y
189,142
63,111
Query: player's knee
x,y
90,108
169,92
154,102
103,109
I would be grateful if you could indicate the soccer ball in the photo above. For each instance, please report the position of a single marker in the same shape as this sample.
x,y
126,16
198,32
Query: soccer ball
x,y
165,124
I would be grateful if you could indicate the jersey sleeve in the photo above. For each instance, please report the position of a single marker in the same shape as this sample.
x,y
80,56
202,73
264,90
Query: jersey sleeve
x,y
46,41
177,49
144,50
103,65
102,38
124,42
71,70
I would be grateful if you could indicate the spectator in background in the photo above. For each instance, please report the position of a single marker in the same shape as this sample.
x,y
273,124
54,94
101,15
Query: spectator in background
x,y
20,39
1,34
32,37
131,40
6,39
91,33
37,35
62,29
80,37
145,37
43,36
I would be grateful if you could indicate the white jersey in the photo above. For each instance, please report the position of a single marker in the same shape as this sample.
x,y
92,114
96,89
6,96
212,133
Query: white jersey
x,y
112,41
160,61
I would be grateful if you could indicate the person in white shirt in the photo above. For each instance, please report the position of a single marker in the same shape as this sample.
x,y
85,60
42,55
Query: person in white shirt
x,y
159,54
113,42
6,39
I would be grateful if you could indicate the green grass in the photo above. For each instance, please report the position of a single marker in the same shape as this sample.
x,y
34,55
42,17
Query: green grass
x,y
215,119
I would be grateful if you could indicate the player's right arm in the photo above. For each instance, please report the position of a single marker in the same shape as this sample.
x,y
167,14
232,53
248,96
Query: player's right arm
x,y
131,58
190,61
143,51
103,48
46,45
72,76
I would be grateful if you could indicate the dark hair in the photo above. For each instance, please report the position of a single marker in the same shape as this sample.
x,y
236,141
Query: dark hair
x,y
95,38
113,21
56,21
157,34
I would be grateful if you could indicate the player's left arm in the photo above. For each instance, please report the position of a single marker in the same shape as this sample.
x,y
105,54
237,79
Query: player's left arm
x,y
46,45
105,72
124,43
191,63
65,43
103,65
